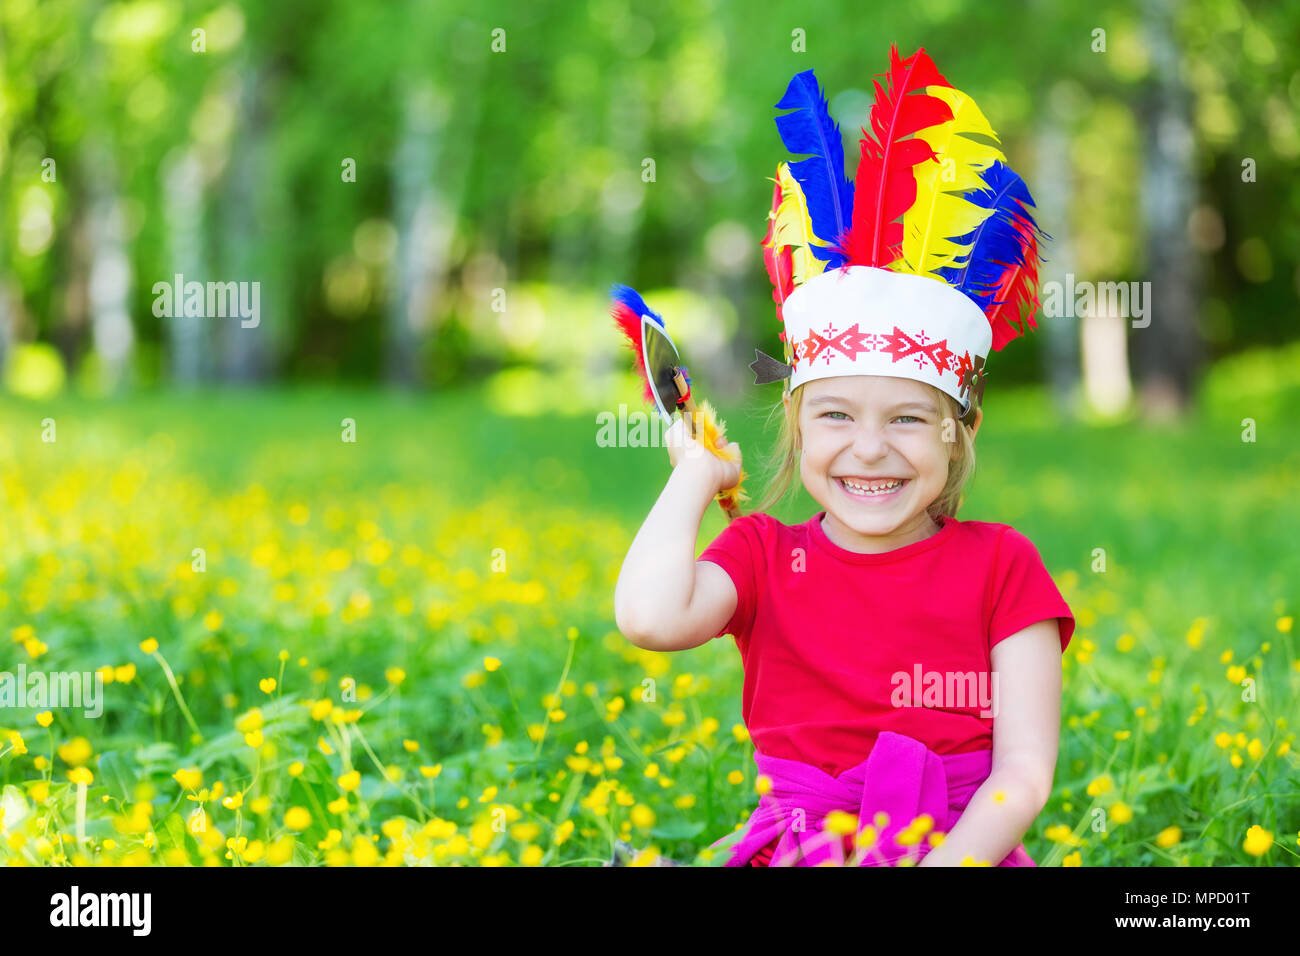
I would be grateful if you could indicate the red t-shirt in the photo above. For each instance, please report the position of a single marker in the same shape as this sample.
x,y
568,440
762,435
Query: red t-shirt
x,y
838,645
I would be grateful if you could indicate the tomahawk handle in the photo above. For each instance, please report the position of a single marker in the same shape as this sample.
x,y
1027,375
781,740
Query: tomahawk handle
x,y
688,412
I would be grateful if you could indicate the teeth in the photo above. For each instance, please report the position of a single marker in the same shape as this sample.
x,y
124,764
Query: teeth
x,y
875,488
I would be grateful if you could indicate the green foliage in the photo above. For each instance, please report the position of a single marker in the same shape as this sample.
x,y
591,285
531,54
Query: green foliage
x,y
355,559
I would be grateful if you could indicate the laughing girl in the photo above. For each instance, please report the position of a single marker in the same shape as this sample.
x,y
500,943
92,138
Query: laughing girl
x,y
902,667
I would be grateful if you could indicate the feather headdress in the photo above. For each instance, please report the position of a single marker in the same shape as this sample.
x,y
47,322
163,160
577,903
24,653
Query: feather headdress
x,y
922,263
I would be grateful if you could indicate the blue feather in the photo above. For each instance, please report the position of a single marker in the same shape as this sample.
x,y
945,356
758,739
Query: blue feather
x,y
811,132
630,298
996,243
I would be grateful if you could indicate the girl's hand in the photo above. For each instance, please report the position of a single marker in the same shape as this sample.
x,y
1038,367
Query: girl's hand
x,y
687,454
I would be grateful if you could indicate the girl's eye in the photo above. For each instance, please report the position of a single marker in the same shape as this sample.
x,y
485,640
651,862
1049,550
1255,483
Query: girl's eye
x,y
911,418
834,413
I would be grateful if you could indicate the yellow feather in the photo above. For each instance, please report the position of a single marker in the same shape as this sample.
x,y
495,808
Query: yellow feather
x,y
793,227
939,214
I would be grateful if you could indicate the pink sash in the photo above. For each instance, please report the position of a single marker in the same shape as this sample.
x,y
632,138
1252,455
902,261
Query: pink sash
x,y
901,777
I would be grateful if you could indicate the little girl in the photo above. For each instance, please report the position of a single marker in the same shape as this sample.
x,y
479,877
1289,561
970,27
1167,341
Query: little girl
x,y
902,671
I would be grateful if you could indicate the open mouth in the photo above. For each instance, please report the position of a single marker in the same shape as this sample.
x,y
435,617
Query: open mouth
x,y
871,490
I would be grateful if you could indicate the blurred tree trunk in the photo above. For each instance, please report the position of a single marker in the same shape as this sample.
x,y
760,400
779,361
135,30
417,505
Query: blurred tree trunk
x,y
1052,191
68,332
424,230
243,350
1168,352
183,198
109,282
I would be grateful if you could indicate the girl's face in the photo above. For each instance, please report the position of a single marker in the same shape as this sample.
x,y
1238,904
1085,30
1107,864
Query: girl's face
x,y
874,458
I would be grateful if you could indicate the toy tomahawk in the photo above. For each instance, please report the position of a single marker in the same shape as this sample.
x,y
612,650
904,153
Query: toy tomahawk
x,y
668,386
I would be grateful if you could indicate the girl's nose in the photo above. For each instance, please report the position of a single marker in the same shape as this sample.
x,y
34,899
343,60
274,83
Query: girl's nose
x,y
869,444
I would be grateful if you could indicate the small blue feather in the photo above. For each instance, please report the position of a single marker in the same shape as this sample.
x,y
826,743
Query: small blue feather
x,y
810,131
632,299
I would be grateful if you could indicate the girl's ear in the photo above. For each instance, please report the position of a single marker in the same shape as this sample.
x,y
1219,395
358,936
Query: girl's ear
x,y
975,425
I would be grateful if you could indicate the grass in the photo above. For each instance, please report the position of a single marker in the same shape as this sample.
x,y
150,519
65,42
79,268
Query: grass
x,y
433,604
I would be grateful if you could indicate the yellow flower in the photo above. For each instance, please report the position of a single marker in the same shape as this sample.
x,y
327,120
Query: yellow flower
x,y
735,777
45,718
149,645
1125,643
395,675
1099,786
532,856
337,806
76,751
1060,833
1255,749
1121,813
646,857
525,832
190,778
1258,841
1223,739
642,816
1072,859
431,772
350,781
247,723
40,792
763,784
212,620
234,801
296,768
491,663
837,821
254,739
563,832
740,733
1284,624
1168,837
124,674
1236,674
81,775
297,818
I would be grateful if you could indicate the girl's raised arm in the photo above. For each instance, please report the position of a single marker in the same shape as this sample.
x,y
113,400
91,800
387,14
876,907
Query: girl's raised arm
x,y
664,600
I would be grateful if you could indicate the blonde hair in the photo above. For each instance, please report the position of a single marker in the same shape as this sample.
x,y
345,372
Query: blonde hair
x,y
783,464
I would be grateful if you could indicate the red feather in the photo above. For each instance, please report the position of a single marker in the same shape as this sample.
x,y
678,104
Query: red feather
x,y
779,262
630,325
1016,290
885,185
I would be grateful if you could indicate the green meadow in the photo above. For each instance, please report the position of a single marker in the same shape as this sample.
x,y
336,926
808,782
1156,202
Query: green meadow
x,y
401,649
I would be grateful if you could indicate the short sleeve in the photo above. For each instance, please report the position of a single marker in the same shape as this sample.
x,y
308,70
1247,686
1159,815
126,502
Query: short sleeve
x,y
738,550
1023,593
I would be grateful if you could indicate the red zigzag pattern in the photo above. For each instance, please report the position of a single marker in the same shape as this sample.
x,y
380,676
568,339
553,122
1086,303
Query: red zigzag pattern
x,y
897,344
